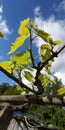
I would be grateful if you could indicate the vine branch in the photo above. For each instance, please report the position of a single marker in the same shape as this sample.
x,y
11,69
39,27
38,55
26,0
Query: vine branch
x,y
55,54
16,80
31,55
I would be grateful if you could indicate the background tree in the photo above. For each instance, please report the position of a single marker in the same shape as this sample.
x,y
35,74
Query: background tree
x,y
6,89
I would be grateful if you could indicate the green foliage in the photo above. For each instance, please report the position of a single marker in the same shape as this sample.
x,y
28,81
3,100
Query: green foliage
x,y
23,30
19,42
48,114
28,76
12,91
57,42
61,91
6,65
3,88
53,87
45,51
44,35
44,79
21,58
24,34
6,89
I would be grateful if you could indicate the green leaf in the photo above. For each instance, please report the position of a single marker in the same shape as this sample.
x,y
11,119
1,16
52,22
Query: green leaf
x,y
6,65
61,91
44,79
50,41
34,24
24,34
28,76
44,35
45,51
12,91
19,87
54,42
23,26
45,46
57,42
1,35
41,32
22,90
23,29
18,43
27,67
21,58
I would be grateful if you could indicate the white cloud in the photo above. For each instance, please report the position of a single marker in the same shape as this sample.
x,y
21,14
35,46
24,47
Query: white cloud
x,y
61,6
4,27
61,76
59,64
53,26
37,10
56,28
58,67
3,23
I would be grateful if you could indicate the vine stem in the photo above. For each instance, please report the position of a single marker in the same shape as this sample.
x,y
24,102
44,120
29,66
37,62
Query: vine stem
x,y
31,55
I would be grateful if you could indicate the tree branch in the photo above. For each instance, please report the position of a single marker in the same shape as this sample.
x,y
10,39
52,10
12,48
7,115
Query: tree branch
x,y
34,99
55,54
16,80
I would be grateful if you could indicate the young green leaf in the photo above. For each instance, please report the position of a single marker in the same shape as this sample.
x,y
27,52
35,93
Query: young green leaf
x,y
44,35
24,34
44,79
23,30
44,51
57,42
6,65
61,91
46,46
28,76
34,25
19,42
21,58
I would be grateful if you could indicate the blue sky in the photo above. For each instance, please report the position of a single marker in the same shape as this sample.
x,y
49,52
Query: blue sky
x,y
49,15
